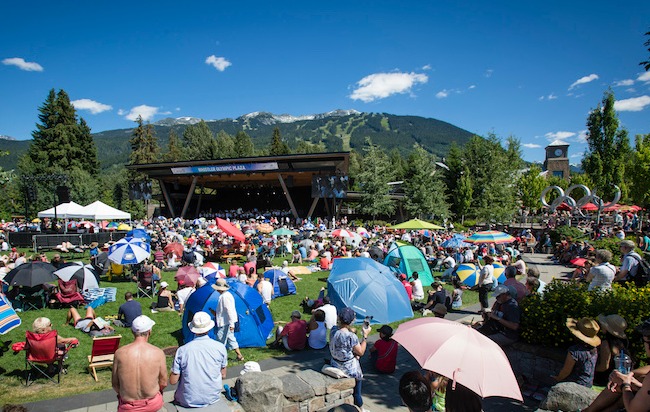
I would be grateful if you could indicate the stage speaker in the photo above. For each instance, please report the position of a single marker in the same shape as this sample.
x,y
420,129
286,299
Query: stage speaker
x,y
63,193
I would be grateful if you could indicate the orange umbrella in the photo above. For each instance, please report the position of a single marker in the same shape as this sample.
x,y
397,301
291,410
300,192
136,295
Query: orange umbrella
x,y
230,229
175,248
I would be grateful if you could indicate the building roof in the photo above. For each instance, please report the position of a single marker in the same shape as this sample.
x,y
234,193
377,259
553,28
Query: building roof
x,y
558,142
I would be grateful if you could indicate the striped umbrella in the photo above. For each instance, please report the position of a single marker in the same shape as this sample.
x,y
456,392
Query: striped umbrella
x,y
341,233
468,274
456,241
212,270
85,275
490,236
128,251
499,272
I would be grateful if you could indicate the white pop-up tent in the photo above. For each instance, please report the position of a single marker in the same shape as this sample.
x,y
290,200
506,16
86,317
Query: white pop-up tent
x,y
101,211
63,211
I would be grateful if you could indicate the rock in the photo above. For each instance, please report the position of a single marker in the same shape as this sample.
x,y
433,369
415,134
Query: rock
x,y
260,392
296,389
568,396
317,380
336,385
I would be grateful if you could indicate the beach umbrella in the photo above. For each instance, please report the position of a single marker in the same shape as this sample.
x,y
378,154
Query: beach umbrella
x,y
123,226
499,272
230,229
455,242
363,232
283,232
264,228
309,226
212,270
460,353
490,236
129,250
31,274
112,226
85,275
590,207
139,233
468,274
354,240
187,275
36,220
341,233
417,224
175,248
578,262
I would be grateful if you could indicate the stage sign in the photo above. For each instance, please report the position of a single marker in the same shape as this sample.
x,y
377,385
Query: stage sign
x,y
329,186
226,168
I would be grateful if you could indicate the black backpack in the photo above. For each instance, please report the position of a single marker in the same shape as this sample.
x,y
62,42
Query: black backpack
x,y
642,276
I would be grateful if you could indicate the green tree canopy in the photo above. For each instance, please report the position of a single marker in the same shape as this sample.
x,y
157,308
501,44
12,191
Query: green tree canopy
x,y
225,146
278,147
423,186
199,142
174,147
646,64
640,178
529,188
244,146
375,174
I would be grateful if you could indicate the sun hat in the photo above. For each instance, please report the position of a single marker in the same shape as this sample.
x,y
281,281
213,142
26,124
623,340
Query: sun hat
x,y
614,324
142,323
440,309
221,285
347,315
94,245
201,323
164,284
500,290
386,330
251,366
585,329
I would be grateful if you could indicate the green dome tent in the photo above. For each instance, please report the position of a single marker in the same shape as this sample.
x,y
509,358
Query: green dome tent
x,y
405,258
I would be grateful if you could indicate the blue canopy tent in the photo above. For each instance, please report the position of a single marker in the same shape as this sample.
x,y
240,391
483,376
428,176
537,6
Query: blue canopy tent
x,y
406,258
369,288
255,319
282,283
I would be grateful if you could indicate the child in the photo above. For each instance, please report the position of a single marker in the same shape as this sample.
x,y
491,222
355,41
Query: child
x,y
457,296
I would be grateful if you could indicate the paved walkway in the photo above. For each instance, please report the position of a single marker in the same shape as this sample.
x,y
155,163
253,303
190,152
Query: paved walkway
x,y
379,391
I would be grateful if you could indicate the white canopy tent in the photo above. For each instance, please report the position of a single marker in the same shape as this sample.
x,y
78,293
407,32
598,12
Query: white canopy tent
x,y
63,211
101,211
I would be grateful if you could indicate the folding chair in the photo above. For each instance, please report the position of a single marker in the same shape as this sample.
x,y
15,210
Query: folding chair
x,y
147,285
68,293
31,298
41,352
102,354
116,270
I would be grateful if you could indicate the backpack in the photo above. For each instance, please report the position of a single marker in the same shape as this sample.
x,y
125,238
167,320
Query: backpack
x,y
642,276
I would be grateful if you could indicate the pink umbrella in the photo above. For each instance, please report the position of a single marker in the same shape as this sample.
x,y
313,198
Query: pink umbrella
x,y
578,261
460,353
341,233
187,275
230,229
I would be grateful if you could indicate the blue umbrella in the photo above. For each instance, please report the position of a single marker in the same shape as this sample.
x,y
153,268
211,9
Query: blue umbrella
x,y
128,251
139,234
457,241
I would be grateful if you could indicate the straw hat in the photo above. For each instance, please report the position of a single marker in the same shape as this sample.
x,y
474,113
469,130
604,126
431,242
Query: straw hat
x,y
201,323
94,245
585,329
614,324
221,285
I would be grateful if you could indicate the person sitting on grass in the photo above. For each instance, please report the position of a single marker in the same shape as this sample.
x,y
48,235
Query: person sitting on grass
x,y
89,324
165,302
317,330
128,311
293,336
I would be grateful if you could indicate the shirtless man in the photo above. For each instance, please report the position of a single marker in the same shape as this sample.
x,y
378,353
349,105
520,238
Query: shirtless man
x,y
140,371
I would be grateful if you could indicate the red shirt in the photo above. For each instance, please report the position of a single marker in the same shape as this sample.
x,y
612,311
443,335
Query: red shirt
x,y
409,289
386,355
296,333
232,271
249,265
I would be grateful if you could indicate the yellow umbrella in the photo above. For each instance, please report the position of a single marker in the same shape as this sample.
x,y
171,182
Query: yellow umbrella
x,y
124,226
37,220
417,224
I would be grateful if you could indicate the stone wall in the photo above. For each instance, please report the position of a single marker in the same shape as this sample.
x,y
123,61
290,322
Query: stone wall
x,y
304,391
535,363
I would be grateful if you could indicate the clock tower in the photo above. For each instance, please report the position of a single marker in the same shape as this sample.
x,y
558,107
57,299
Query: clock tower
x,y
557,159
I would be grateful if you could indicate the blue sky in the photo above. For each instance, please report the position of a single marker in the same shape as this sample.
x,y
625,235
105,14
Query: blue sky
x,y
529,69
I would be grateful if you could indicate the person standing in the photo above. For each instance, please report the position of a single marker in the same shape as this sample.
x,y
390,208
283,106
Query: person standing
x,y
226,317
199,368
128,311
140,371
485,281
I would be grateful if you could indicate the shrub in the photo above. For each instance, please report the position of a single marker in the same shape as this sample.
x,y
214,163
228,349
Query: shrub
x,y
544,316
566,231
611,244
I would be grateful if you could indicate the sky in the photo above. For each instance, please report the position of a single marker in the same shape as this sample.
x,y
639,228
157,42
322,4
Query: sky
x,y
528,69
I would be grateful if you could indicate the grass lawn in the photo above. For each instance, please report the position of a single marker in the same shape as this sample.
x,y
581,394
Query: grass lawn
x,y
166,333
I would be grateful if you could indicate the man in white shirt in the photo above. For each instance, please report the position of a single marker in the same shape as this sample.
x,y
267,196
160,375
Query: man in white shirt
x,y
418,290
226,317
265,288
330,313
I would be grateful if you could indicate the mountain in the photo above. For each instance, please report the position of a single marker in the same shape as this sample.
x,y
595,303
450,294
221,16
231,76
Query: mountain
x,y
338,130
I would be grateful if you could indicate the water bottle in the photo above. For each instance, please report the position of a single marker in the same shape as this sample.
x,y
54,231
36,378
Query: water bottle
x,y
623,363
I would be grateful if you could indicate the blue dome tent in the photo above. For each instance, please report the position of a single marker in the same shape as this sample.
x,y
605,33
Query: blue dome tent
x,y
406,258
255,319
282,283
369,288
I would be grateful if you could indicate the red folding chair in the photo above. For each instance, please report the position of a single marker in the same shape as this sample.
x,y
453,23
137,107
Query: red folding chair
x,y
68,293
42,354
103,353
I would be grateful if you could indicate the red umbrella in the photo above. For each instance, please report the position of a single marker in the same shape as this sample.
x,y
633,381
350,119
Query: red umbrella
x,y
563,206
230,229
175,248
187,275
341,233
578,262
612,208
589,207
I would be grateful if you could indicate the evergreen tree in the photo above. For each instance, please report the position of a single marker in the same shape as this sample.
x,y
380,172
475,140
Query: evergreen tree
x,y
424,190
354,169
397,161
640,176
174,147
199,142
609,149
244,146
376,171
277,146
529,188
144,144
225,146
88,149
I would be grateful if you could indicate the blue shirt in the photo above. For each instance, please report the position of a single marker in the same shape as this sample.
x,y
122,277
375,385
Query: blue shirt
x,y
129,310
199,365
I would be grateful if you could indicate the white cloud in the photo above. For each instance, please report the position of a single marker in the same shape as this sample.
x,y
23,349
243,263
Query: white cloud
x,y
558,135
631,90
644,77
442,94
178,109
582,136
626,82
22,64
426,67
121,112
634,104
218,63
581,154
91,105
583,80
488,73
381,85
549,97
147,112
531,145
473,86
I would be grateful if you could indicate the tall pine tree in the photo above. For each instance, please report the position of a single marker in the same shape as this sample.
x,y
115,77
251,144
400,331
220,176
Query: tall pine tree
x,y
174,147
375,174
423,187
278,147
199,142
244,146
